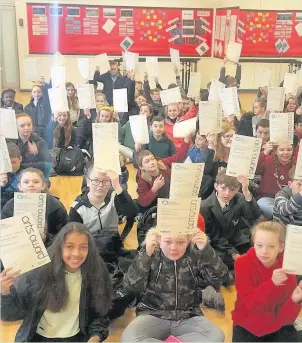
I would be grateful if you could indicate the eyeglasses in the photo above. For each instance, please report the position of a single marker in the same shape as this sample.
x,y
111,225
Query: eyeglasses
x,y
227,137
96,182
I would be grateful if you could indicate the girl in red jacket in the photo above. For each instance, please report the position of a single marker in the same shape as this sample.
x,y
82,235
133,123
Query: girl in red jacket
x,y
268,299
273,166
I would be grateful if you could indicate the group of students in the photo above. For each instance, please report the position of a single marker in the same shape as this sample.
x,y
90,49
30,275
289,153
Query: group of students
x,y
170,274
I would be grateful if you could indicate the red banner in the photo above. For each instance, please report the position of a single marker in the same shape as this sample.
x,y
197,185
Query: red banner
x,y
74,29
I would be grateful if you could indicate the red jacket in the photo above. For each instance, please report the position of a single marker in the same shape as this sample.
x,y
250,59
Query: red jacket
x,y
261,306
145,181
193,110
269,186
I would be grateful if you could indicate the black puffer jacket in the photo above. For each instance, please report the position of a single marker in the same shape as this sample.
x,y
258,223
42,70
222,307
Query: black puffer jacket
x,y
169,289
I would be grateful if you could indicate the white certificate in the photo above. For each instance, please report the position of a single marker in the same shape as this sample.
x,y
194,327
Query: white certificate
x,y
5,163
244,155
281,128
186,180
58,99
216,86
264,78
35,203
174,54
21,244
120,100
106,147
101,61
86,96
170,96
184,128
293,250
229,101
177,216
131,60
210,117
298,170
31,69
275,99
139,129
8,123
233,52
58,77
290,83
85,68
194,85
152,66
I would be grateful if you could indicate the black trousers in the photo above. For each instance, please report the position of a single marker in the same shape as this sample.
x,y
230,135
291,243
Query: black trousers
x,y
77,338
287,333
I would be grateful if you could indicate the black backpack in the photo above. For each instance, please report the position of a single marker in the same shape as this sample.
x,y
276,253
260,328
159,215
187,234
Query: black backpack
x,y
146,222
70,161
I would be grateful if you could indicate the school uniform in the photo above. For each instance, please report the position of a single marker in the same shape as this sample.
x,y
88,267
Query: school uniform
x,y
55,216
42,160
21,304
227,224
288,207
169,125
262,308
40,114
146,196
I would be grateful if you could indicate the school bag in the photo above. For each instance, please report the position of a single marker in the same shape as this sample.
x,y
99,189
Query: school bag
x,y
70,161
146,222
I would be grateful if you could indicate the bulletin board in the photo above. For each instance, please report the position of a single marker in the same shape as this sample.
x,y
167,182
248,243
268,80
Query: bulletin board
x,y
226,27
74,29
270,33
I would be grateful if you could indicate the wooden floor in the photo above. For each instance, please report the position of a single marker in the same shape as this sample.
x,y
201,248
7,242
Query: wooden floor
x,y
67,188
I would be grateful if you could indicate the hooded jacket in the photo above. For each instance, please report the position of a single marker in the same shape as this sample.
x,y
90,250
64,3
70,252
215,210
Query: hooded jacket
x,y
288,207
261,306
169,289
42,160
56,216
21,304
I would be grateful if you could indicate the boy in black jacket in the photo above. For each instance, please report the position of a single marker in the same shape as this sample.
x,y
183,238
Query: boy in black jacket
x,y
227,215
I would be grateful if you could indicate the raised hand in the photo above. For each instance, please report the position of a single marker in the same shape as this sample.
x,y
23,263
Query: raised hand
x,y
158,183
7,280
151,242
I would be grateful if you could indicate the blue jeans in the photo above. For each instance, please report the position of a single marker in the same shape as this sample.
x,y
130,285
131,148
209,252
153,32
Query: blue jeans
x,y
266,205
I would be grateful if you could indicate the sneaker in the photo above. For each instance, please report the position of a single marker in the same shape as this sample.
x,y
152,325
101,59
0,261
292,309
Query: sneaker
x,y
213,299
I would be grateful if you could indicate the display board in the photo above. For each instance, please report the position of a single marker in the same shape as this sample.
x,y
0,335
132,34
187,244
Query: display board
x,y
270,33
226,26
74,29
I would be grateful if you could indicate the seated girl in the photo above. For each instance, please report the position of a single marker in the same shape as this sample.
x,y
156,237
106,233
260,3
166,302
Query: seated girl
x,y
32,181
273,166
75,285
39,110
73,103
268,298
164,277
34,150
8,101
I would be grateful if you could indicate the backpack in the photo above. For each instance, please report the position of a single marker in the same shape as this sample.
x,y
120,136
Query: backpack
x,y
70,161
146,222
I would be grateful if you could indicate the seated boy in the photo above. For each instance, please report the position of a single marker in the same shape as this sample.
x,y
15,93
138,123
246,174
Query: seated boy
x,y
262,131
227,214
159,143
153,177
98,210
200,153
9,181
153,98
288,202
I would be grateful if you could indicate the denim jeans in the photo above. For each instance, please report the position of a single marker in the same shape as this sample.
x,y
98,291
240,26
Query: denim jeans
x,y
266,206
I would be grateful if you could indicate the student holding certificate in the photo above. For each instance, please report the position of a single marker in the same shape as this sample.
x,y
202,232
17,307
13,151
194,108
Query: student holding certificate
x,y
8,101
170,297
33,181
273,166
228,80
248,122
66,300
73,103
290,104
268,299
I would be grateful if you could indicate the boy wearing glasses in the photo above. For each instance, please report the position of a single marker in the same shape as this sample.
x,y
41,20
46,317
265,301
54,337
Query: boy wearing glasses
x,y
98,208
228,215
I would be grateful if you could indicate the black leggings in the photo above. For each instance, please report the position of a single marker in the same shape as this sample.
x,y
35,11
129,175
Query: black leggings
x,y
77,338
285,334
